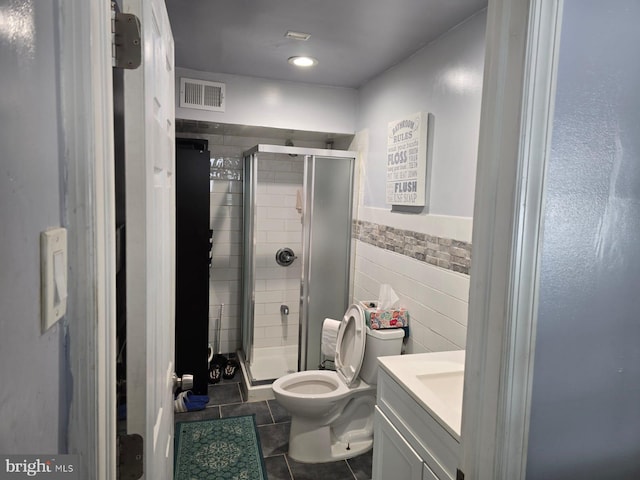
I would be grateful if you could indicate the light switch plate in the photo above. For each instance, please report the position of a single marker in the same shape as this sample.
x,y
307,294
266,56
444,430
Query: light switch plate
x,y
53,271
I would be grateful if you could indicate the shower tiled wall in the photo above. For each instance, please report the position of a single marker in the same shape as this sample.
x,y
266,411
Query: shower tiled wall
x,y
225,275
278,225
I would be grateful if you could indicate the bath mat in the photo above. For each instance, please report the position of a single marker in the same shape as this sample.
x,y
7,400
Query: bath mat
x,y
220,449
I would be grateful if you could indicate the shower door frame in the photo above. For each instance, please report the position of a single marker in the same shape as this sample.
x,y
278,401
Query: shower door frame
x,y
249,174
250,169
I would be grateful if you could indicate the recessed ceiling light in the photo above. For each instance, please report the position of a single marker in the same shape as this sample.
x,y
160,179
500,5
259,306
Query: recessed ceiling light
x,y
303,61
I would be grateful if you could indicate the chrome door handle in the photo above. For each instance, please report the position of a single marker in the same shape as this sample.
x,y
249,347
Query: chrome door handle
x,y
183,383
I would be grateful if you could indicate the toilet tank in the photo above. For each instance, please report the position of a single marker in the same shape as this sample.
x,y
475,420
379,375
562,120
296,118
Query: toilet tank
x,y
379,343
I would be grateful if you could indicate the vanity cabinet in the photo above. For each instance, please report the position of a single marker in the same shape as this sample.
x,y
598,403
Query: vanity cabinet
x,y
393,457
409,442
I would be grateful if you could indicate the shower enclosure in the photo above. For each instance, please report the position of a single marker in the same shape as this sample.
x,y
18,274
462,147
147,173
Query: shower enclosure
x,y
297,244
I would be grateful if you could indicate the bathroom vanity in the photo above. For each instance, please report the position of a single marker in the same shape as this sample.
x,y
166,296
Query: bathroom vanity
x,y
418,416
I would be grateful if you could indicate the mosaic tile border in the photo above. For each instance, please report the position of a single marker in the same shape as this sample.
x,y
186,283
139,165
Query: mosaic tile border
x,y
442,252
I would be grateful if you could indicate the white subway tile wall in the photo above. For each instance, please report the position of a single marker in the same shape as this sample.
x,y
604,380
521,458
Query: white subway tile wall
x,y
225,275
437,299
278,225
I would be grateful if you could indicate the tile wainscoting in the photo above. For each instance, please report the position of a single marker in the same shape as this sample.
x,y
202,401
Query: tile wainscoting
x,y
429,273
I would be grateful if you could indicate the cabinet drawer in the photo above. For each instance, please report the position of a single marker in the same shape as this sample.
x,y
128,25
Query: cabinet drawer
x,y
435,445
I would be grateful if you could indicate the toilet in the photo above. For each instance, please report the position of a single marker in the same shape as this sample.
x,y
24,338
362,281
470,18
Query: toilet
x,y
332,411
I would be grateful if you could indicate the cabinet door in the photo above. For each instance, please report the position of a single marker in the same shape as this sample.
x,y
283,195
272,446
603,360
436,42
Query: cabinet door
x,y
392,455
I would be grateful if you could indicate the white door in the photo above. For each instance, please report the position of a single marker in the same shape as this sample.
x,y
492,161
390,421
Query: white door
x,y
150,238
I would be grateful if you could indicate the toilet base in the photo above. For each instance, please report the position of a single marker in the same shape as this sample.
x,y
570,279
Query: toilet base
x,y
318,445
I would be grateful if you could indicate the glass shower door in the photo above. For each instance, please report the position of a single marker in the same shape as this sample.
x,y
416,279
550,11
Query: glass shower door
x,y
277,262
325,289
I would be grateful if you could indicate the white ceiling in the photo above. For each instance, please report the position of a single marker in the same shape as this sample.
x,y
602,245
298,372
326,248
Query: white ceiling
x,y
353,40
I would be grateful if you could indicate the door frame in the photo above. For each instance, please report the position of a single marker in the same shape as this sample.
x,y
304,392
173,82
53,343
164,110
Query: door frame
x,y
513,145
86,92
515,132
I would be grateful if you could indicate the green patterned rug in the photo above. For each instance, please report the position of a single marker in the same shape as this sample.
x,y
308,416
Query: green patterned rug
x,y
220,449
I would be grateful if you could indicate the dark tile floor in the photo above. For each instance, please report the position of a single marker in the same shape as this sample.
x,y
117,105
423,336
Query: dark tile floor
x,y
225,400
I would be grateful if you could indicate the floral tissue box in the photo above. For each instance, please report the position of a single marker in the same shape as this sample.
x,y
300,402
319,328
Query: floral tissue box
x,y
378,318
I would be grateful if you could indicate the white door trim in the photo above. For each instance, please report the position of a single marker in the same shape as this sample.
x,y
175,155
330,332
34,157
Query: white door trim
x,y
522,41
87,115
539,90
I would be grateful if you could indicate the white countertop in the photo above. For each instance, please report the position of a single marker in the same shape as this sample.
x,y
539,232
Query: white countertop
x,y
435,380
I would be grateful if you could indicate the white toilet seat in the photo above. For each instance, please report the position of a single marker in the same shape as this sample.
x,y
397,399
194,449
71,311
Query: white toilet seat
x,y
316,393
317,387
350,344
312,385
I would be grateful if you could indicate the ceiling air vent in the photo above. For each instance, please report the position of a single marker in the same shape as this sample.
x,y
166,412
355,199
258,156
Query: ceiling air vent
x,y
202,95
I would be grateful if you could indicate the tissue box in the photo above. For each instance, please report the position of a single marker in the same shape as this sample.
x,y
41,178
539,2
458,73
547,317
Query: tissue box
x,y
378,318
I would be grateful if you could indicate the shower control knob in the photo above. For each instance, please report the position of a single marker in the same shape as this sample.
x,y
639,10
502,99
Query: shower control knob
x,y
285,257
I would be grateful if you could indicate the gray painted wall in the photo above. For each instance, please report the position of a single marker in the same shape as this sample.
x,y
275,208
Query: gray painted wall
x,y
585,416
445,79
262,102
33,397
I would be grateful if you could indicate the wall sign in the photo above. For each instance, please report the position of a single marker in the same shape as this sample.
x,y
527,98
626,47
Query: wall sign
x,y
407,160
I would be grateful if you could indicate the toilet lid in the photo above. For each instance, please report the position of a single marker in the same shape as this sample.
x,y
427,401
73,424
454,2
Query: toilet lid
x,y
350,344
